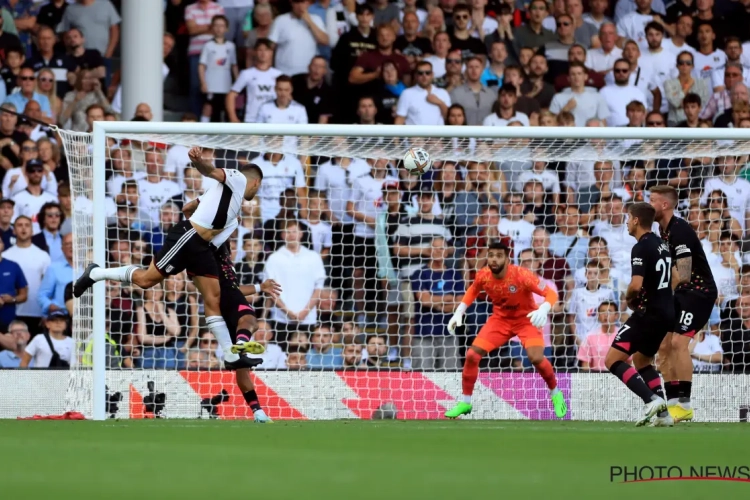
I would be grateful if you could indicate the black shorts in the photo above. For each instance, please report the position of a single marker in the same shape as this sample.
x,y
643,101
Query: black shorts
x,y
233,306
184,249
364,255
642,334
692,311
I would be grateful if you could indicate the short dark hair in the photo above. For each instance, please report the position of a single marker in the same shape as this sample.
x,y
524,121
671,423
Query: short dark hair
x,y
653,25
598,239
361,8
283,79
462,7
691,98
263,42
498,245
22,217
94,106
576,64
221,17
251,170
17,50
607,303
644,212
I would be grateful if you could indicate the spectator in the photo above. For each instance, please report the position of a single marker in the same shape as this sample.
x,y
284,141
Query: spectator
x,y
47,58
441,45
8,41
536,87
257,26
438,291
83,56
301,274
297,35
283,109
368,67
158,328
584,303
51,13
577,53
505,109
721,101
49,239
661,59
34,123
514,225
154,190
169,215
410,44
632,26
198,18
98,21
122,170
352,355
708,58
691,107
274,357
272,165
312,91
27,83
77,102
14,59
203,357
556,51
258,82
7,234
613,228
706,351
461,38
16,180
19,337
585,33
552,267
676,89
53,349
30,201
597,15
377,353
593,350
588,195
319,230
13,289
142,110
217,67
532,33
337,177
619,95
322,353
602,59
423,104
736,337
736,189
493,74
570,240
52,290
738,94
583,102
734,55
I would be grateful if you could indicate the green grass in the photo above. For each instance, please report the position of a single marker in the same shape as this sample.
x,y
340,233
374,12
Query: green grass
x,y
385,460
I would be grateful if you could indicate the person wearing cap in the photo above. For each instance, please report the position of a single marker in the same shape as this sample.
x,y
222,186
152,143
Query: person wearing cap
x,y
16,179
6,215
13,289
43,347
30,201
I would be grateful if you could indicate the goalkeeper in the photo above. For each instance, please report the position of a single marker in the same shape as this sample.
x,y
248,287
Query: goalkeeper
x,y
240,318
514,313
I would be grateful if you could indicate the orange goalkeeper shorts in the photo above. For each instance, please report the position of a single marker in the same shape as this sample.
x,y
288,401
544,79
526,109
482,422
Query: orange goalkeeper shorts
x,y
498,331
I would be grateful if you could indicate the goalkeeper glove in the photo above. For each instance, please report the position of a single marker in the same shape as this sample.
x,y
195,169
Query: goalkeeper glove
x,y
539,317
457,319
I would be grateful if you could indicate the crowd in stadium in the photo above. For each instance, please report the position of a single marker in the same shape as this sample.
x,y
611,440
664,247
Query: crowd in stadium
x,y
373,261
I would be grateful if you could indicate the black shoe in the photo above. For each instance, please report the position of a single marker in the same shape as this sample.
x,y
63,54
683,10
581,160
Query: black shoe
x,y
84,282
243,362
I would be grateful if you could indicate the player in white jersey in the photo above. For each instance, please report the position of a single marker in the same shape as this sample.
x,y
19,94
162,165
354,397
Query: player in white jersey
x,y
188,246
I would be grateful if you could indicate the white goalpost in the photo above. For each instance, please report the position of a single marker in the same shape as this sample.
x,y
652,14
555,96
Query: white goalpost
x,y
376,326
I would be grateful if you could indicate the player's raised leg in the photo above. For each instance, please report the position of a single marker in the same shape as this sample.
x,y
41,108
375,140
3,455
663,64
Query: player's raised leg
x,y
136,275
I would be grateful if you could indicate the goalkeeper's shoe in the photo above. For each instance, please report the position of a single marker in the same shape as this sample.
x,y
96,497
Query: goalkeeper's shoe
x,y
558,402
260,417
652,408
461,408
680,414
84,282
662,421
248,347
242,362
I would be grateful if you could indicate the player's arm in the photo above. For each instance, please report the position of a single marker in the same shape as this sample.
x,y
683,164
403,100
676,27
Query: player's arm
x,y
638,266
683,265
536,285
269,287
204,166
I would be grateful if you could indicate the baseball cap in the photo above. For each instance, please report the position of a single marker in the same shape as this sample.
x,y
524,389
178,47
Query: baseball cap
x,y
32,164
391,186
58,313
7,200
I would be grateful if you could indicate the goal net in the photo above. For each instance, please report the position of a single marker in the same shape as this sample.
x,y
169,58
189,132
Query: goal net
x,y
378,259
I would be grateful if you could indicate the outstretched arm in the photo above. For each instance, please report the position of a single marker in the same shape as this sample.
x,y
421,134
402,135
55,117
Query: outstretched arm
x,y
204,166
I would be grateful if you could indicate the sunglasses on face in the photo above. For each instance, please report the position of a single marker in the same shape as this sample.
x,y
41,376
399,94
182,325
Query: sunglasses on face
x,y
654,124
27,78
458,18
684,63
53,214
424,73
563,24
453,61
621,70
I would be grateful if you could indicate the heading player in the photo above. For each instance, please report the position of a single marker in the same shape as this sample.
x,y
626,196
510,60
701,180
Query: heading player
x,y
188,245
514,313
695,294
649,295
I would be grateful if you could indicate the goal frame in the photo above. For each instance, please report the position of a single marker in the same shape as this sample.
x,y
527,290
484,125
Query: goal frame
x,y
103,128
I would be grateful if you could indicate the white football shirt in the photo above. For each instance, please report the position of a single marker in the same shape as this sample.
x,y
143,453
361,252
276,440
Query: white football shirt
x,y
152,195
287,173
260,88
738,196
220,205
218,58
337,182
520,231
584,304
29,205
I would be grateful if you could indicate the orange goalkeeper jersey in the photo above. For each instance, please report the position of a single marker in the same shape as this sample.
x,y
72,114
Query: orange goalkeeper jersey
x,y
512,296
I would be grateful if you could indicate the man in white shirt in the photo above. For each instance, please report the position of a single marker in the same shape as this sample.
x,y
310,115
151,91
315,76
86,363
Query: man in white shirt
x,y
641,73
619,95
602,59
736,189
320,230
259,83
279,173
297,35
154,190
661,60
514,225
301,275
708,59
336,177
507,96
33,262
283,109
30,200
683,28
733,50
632,26
583,102
424,103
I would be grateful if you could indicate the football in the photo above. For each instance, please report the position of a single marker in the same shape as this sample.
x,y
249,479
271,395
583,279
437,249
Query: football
x,y
417,161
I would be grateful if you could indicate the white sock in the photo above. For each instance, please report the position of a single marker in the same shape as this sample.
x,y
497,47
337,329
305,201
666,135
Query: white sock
x,y
205,119
122,274
466,399
673,401
218,328
554,391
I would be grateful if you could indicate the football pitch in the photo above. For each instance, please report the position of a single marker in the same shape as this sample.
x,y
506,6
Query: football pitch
x,y
385,460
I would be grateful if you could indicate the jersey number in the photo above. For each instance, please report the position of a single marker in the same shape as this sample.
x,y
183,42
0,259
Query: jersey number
x,y
686,318
666,272
622,330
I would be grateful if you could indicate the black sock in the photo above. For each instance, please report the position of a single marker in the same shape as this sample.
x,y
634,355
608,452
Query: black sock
x,y
671,389
630,377
685,388
246,333
252,400
651,377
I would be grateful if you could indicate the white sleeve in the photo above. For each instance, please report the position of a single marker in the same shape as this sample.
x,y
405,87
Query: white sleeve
x,y
331,29
6,184
33,347
204,55
707,188
320,272
241,83
555,106
621,29
328,238
320,184
302,115
402,108
50,186
299,176
232,54
275,31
